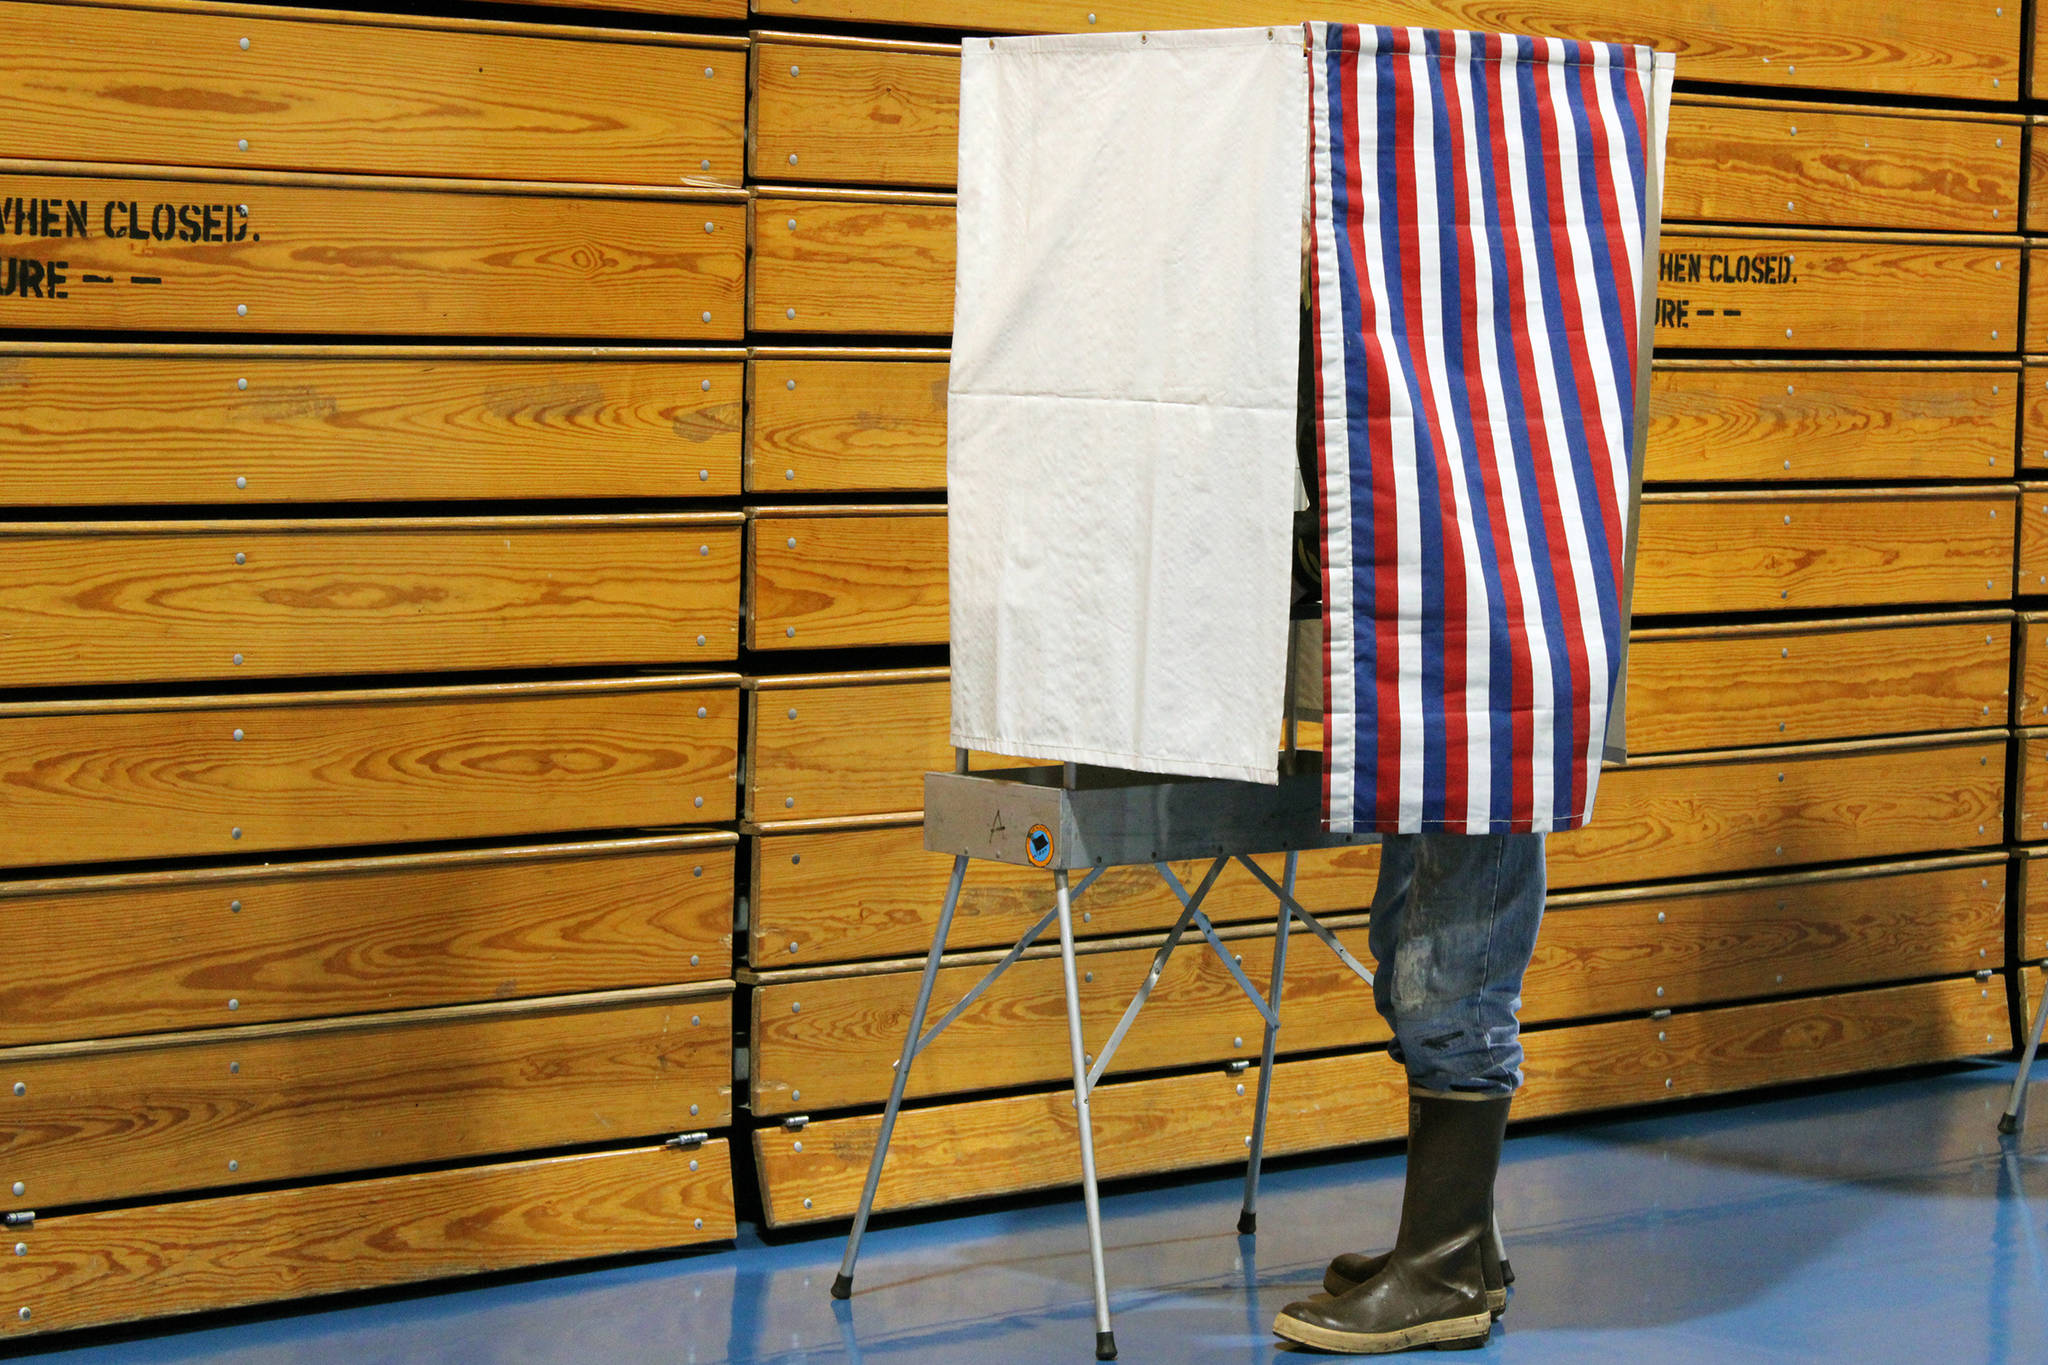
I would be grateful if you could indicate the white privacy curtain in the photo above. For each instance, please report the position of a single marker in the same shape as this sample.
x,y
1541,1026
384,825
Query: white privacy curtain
x,y
1120,448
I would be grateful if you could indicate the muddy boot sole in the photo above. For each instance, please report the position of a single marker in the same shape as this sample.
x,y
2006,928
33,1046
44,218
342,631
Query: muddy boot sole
x,y
1447,1334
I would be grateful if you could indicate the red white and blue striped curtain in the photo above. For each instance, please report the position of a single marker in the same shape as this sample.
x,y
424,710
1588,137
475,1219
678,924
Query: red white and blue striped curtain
x,y
1476,286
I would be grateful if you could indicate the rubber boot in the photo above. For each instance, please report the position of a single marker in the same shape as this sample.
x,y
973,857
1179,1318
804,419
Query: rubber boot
x,y
1354,1268
1432,1289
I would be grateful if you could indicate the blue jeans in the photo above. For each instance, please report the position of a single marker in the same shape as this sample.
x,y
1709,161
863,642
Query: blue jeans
x,y
1453,927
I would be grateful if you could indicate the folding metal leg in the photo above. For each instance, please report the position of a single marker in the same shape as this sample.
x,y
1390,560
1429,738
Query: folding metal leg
x,y
843,1286
1105,1337
2009,1122
1248,1220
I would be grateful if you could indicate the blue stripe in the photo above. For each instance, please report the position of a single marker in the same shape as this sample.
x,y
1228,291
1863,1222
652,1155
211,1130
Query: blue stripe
x,y
1364,652
1500,656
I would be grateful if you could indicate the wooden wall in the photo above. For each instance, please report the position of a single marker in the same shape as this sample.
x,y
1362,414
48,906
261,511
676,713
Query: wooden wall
x,y
472,572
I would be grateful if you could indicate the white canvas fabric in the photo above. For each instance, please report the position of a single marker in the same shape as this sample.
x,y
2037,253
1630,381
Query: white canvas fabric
x,y
1120,450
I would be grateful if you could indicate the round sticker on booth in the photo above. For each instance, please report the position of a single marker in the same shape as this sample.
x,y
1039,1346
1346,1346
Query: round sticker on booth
x,y
1038,845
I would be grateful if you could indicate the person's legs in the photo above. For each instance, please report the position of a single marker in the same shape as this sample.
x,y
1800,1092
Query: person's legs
x,y
1453,928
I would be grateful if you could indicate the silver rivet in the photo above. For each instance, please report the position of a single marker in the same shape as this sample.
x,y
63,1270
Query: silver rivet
x,y
706,315
241,482
1788,333
1997,265
1660,917
791,313
235,833
1660,1035
1784,653
792,158
693,959
1790,204
703,549
1795,132
695,1020
697,1223
234,907
792,225
697,872
790,633
792,945
705,164
1781,777
20,1089
234,1068
26,1315
789,473
19,1189
1660,990
1091,18
789,803
1667,1082
700,801
710,71
234,1165
703,712
794,71
1087,976
700,645
241,383
238,735
245,44
796,1094
234,1004
242,209
796,1007
1237,1042
790,543
792,713
1240,1087
807,1203
238,660
21,1248
1778,850
242,144
241,310
710,227
706,385
789,384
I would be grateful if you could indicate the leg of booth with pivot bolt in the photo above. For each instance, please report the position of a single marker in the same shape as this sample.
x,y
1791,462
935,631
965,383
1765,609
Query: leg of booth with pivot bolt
x,y
1105,1338
843,1286
1248,1220
2009,1122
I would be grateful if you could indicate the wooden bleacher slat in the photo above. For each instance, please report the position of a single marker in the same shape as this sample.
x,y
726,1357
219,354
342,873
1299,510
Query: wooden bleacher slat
x,y
1819,44
862,264
2031,572
1725,686
1780,550
854,112
101,602
701,9
2030,670
176,86
1789,290
2030,801
387,259
233,1250
852,424
848,745
2034,417
1804,165
832,577
1820,421
2037,302
181,424
411,931
1026,1142
835,895
189,1111
865,112
219,775
1687,816
825,1042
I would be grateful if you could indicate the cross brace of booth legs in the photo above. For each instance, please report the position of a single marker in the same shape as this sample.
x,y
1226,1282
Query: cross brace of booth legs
x,y
1086,1076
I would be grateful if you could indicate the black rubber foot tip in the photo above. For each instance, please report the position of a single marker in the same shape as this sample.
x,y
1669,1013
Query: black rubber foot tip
x,y
1247,1223
1105,1346
1507,1272
842,1287
2008,1123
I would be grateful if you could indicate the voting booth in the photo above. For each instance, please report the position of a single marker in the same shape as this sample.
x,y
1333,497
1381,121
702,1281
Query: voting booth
x,y
1398,275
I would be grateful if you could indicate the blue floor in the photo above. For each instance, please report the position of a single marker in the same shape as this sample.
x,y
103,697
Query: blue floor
x,y
1877,1223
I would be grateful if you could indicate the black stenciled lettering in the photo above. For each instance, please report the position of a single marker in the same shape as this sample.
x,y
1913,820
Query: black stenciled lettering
x,y
75,218
1673,312
210,224
107,219
188,222
57,281
163,222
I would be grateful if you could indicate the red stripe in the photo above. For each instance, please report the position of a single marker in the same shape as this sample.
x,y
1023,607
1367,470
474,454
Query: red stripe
x,y
1568,593
1524,676
1617,256
1457,764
